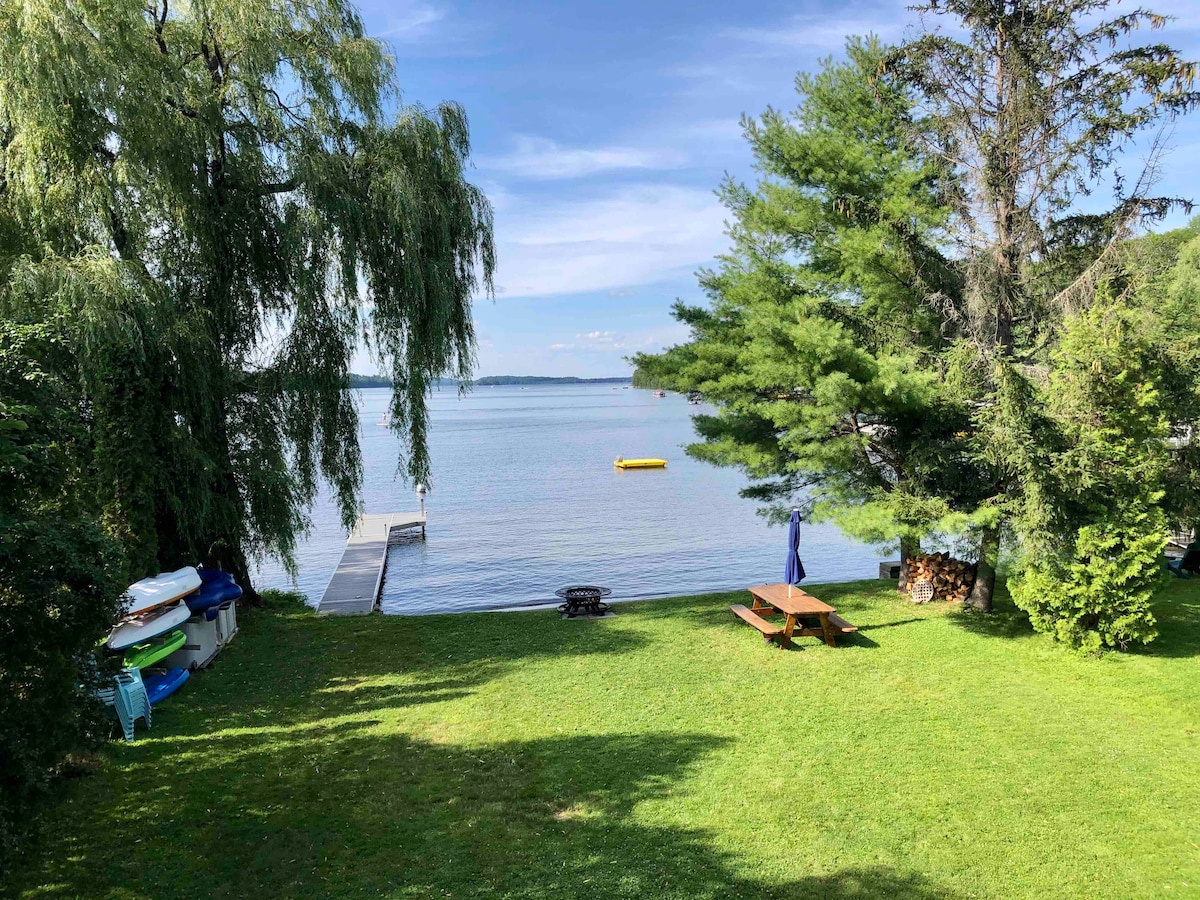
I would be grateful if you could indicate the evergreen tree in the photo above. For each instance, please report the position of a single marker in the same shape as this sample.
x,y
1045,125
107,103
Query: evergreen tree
x,y
1030,103
824,348
1093,524
221,200
863,321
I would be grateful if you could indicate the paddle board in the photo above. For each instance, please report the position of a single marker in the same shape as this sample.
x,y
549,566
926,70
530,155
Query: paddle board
x,y
163,588
217,588
640,463
144,655
141,628
164,684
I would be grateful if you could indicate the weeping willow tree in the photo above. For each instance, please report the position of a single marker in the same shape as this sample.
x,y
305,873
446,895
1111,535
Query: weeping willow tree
x,y
216,203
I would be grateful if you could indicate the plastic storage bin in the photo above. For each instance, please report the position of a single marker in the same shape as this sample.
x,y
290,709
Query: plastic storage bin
x,y
227,622
203,643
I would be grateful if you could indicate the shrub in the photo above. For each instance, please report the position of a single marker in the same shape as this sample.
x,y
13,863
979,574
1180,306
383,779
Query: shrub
x,y
58,587
1093,523
285,601
1097,596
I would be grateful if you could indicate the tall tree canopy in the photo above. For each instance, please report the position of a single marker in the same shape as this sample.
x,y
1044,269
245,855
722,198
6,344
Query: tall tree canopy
x,y
824,346
1031,103
215,203
905,331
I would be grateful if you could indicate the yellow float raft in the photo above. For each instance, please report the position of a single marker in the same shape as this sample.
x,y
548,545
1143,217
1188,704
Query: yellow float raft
x,y
640,463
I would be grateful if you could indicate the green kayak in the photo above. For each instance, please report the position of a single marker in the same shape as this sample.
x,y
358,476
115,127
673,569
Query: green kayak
x,y
148,654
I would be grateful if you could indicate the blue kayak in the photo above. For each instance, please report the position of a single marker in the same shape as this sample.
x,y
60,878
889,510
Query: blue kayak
x,y
216,587
164,684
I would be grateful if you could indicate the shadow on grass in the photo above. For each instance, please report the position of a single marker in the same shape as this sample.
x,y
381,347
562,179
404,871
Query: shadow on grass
x,y
1004,621
1177,609
896,624
299,667
348,812
1001,622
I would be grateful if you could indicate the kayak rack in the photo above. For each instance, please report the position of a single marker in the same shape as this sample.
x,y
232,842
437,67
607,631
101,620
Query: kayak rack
x,y
354,587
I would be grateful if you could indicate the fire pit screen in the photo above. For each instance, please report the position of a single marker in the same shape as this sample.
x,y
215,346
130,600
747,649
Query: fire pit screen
x,y
582,600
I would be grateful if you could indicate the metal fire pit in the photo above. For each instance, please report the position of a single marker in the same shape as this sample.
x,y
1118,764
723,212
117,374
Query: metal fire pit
x,y
582,600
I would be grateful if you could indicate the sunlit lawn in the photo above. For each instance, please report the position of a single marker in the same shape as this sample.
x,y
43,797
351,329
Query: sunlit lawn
x,y
666,752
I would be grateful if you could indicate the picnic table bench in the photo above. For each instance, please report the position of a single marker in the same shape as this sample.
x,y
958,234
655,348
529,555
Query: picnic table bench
x,y
797,606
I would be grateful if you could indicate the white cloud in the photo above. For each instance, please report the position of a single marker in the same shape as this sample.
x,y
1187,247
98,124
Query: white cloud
x,y
605,348
535,157
816,32
601,340
408,21
644,234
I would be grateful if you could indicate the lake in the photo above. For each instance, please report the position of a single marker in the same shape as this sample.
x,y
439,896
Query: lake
x,y
525,499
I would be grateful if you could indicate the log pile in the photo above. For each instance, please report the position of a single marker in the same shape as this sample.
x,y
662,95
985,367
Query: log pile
x,y
951,578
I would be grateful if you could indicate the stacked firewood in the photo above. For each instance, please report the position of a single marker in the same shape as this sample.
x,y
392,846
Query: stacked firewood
x,y
951,578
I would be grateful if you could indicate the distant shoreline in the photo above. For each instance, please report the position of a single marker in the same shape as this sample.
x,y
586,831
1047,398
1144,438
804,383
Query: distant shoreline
x,y
373,381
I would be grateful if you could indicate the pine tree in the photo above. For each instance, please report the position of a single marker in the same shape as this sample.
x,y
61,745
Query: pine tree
x,y
1031,108
823,347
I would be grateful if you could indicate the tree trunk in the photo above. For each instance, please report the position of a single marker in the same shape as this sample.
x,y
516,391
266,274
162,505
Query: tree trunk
x,y
985,577
909,547
229,558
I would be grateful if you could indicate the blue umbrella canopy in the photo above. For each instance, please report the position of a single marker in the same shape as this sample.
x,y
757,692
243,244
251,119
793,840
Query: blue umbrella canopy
x,y
793,572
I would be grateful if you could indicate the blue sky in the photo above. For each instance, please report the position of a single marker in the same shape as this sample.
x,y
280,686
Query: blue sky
x,y
600,130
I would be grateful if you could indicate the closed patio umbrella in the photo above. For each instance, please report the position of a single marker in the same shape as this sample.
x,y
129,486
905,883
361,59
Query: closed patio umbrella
x,y
793,571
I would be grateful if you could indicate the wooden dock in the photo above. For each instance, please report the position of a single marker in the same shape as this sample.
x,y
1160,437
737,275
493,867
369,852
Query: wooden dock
x,y
354,587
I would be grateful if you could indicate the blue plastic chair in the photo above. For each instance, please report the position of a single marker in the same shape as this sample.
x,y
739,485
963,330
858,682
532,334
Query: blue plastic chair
x,y
131,701
1188,564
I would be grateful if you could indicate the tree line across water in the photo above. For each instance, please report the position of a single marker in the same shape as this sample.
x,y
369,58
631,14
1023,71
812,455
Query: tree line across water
x,y
928,326
375,381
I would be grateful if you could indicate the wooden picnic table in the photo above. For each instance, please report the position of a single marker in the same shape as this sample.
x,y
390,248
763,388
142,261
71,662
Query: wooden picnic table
x,y
797,606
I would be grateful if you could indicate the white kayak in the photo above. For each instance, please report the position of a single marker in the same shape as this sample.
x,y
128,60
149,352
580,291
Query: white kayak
x,y
142,627
163,588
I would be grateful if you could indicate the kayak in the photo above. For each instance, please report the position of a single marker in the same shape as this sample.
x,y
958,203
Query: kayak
x,y
640,463
163,588
163,684
216,588
143,655
138,629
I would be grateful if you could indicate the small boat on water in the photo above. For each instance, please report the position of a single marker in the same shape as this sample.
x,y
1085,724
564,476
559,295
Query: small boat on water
x,y
640,463
660,393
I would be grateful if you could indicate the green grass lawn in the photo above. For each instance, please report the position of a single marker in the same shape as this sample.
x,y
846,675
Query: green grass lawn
x,y
666,752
